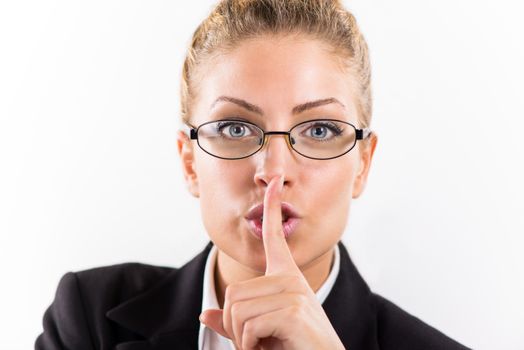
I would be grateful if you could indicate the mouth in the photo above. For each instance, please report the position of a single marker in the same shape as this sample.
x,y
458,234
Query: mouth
x,y
290,219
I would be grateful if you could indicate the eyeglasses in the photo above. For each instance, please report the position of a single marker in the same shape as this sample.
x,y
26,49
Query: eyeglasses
x,y
316,139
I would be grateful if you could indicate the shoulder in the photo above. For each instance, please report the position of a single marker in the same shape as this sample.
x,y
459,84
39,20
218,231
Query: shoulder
x,y
130,274
398,329
82,299
114,282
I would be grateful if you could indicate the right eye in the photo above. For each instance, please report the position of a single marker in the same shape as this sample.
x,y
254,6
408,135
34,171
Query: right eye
x,y
233,129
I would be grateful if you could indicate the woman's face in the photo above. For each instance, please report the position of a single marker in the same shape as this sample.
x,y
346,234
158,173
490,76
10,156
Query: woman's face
x,y
275,74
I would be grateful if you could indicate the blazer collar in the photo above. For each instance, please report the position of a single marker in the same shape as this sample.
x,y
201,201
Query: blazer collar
x,y
167,314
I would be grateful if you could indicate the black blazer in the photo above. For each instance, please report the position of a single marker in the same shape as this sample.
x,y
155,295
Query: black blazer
x,y
134,306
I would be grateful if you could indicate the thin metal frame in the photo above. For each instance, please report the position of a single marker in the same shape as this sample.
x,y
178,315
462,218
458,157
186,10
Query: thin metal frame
x,y
360,134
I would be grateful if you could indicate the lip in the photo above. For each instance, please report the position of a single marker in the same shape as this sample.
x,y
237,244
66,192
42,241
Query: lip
x,y
257,211
288,227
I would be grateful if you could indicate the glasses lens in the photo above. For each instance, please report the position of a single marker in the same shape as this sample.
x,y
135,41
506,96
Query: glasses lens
x,y
323,139
230,138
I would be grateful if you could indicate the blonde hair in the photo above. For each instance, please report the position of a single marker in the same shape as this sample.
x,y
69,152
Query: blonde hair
x,y
232,21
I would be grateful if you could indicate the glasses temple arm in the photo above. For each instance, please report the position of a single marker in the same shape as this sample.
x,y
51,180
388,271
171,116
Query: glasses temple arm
x,y
363,133
192,130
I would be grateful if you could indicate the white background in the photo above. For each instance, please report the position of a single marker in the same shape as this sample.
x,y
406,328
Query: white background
x,y
89,173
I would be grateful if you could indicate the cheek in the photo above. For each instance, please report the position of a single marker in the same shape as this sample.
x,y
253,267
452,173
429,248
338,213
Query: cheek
x,y
223,186
331,197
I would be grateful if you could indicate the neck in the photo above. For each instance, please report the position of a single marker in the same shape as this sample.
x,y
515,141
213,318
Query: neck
x,y
228,271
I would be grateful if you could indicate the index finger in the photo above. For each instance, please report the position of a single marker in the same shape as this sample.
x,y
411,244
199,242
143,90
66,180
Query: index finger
x,y
278,255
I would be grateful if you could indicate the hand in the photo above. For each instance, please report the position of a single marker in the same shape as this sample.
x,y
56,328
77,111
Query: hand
x,y
278,310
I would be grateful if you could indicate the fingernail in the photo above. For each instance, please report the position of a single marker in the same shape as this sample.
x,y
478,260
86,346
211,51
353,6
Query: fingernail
x,y
281,182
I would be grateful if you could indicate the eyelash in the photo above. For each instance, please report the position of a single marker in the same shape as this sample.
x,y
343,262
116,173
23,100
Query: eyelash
x,y
221,125
335,129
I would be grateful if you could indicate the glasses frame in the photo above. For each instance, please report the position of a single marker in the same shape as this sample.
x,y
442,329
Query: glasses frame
x,y
360,134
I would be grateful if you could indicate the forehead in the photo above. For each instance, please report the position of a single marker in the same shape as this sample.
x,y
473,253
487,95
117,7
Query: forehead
x,y
276,74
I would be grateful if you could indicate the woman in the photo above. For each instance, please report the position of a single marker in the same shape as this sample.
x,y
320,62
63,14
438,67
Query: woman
x,y
277,99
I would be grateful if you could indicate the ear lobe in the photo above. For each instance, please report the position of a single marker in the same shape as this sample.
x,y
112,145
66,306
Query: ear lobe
x,y
186,153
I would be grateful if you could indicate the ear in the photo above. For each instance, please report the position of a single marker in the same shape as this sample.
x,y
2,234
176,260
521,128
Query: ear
x,y
366,155
186,153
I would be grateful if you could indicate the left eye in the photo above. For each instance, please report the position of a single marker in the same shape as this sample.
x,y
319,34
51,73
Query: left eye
x,y
323,131
318,131
237,130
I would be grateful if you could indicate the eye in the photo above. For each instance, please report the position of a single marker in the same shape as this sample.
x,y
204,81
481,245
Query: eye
x,y
323,131
319,131
233,129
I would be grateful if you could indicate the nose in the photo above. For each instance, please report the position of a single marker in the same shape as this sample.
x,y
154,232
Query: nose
x,y
274,159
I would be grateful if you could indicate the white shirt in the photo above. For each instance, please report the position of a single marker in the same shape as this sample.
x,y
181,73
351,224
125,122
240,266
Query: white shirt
x,y
208,339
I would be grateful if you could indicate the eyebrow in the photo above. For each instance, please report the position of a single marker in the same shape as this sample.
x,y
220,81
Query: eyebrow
x,y
296,110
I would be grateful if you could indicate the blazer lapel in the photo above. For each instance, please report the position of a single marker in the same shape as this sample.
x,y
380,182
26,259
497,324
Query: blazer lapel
x,y
350,307
167,314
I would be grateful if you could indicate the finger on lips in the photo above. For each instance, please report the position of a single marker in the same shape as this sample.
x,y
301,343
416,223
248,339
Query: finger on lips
x,y
269,295
278,255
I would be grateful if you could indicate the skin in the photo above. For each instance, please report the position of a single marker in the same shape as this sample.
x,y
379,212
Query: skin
x,y
265,288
